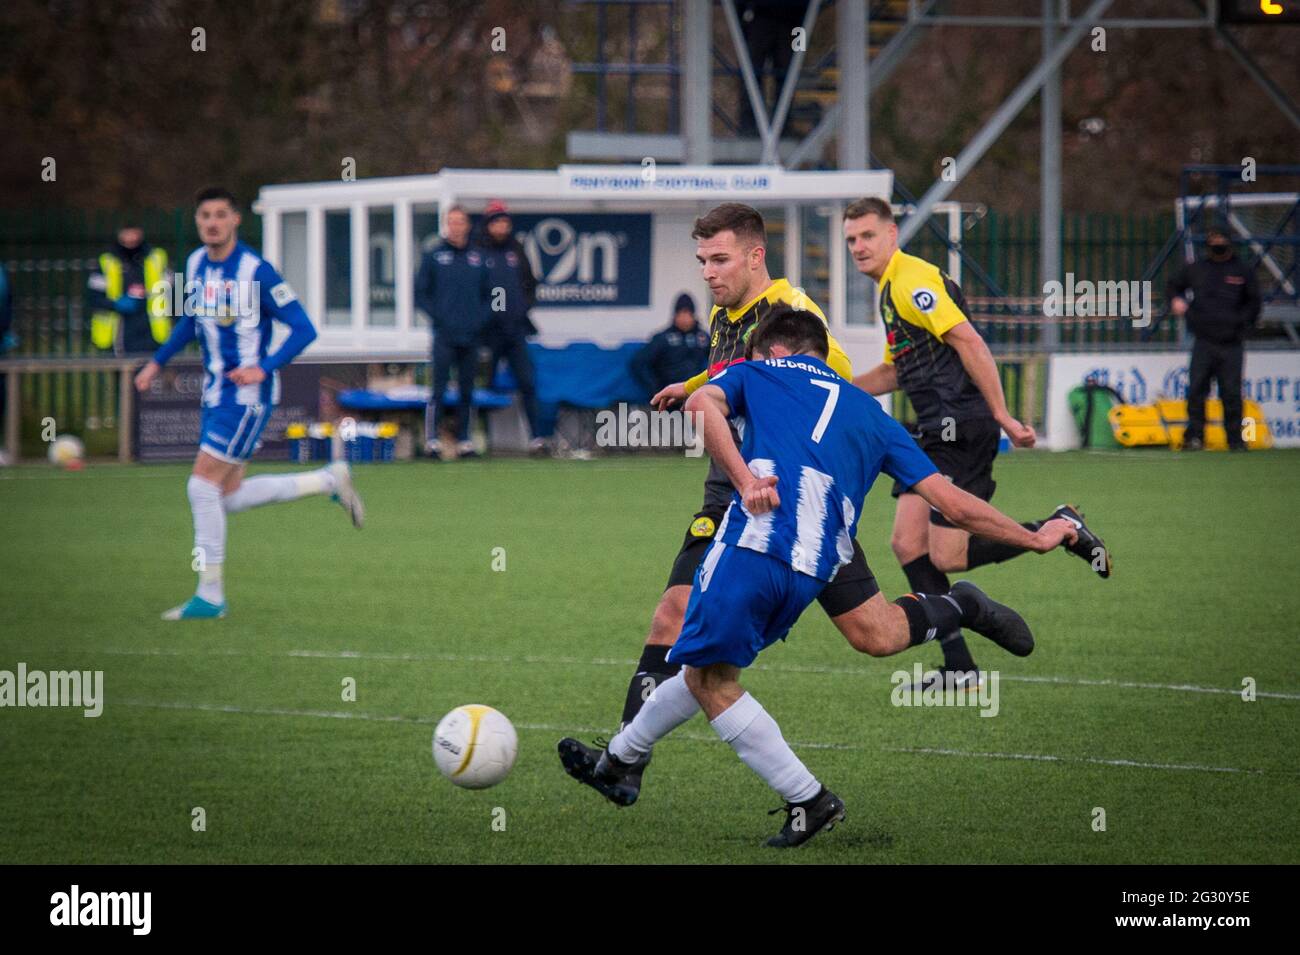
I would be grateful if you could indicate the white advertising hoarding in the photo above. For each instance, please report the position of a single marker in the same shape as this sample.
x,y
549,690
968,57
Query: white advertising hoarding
x,y
1271,378
720,183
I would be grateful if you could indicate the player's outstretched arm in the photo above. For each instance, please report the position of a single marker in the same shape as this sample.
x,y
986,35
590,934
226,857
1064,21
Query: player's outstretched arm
x,y
880,380
971,514
978,362
709,405
665,398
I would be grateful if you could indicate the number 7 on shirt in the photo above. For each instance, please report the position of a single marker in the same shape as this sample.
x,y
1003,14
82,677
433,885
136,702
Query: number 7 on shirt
x,y
833,396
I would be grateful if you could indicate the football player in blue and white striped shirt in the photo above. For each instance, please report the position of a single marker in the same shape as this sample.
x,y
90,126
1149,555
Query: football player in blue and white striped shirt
x,y
231,297
822,443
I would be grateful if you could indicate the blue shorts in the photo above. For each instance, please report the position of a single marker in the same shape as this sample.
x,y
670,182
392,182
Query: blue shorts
x,y
232,434
741,602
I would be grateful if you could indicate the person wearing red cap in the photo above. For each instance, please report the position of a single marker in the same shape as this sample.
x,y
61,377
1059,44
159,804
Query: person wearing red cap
x,y
513,286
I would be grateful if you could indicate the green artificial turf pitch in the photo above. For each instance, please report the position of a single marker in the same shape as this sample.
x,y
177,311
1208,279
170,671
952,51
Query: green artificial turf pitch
x,y
1130,704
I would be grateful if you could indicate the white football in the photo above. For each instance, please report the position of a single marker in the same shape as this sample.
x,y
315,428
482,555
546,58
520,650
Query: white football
x,y
66,450
474,746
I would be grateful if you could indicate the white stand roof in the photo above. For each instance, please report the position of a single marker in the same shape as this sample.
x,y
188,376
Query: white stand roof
x,y
379,320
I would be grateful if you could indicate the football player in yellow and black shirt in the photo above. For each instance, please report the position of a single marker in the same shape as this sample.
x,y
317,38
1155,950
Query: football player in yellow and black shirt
x,y
732,251
935,355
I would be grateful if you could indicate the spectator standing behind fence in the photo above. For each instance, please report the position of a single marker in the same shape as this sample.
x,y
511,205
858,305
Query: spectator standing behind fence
x,y
513,294
128,296
452,288
674,354
1223,304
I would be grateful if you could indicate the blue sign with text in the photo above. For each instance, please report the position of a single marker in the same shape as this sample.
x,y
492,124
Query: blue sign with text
x,y
588,260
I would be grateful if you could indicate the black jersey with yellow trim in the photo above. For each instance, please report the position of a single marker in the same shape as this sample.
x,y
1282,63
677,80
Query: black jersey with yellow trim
x,y
919,304
729,330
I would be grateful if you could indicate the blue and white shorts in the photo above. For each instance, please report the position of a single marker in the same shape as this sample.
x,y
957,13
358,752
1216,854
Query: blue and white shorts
x,y
232,434
741,603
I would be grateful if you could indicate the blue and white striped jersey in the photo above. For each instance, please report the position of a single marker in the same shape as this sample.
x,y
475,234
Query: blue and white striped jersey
x,y
229,308
826,441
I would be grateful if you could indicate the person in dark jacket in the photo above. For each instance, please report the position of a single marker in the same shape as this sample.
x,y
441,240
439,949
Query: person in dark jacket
x,y
677,353
513,294
453,288
1222,305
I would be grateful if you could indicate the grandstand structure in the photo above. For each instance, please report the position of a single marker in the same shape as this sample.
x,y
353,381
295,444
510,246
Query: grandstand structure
x,y
827,95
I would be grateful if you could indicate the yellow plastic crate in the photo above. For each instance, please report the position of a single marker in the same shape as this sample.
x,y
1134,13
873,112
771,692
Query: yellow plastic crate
x,y
1137,426
1254,425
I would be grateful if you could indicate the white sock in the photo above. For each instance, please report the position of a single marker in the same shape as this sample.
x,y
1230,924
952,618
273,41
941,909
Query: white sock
x,y
209,536
274,488
669,706
210,585
757,740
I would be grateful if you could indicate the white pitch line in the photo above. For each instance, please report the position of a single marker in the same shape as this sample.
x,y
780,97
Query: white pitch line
x,y
364,655
1192,767
327,714
695,737
1183,687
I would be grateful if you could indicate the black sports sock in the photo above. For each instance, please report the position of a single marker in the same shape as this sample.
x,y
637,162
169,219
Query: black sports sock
x,y
918,624
930,616
925,578
969,607
982,550
650,672
956,655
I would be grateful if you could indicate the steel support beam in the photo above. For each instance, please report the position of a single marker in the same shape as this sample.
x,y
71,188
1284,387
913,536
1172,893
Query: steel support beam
x,y
697,82
787,87
1001,119
1049,249
1258,74
880,69
851,56
1117,23
752,89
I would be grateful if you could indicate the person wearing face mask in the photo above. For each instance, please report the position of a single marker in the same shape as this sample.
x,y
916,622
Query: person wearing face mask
x,y
1219,297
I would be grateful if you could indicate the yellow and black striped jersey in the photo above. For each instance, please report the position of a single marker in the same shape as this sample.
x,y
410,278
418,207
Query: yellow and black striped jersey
x,y
919,304
729,329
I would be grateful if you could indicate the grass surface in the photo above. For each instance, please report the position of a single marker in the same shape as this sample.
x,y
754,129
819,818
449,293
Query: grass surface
x,y
244,717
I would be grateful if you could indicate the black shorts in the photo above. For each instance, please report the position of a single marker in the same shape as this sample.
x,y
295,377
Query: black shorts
x,y
967,460
853,586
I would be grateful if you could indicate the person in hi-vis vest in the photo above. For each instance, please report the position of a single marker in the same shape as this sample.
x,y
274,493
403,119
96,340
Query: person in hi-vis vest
x,y
128,296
